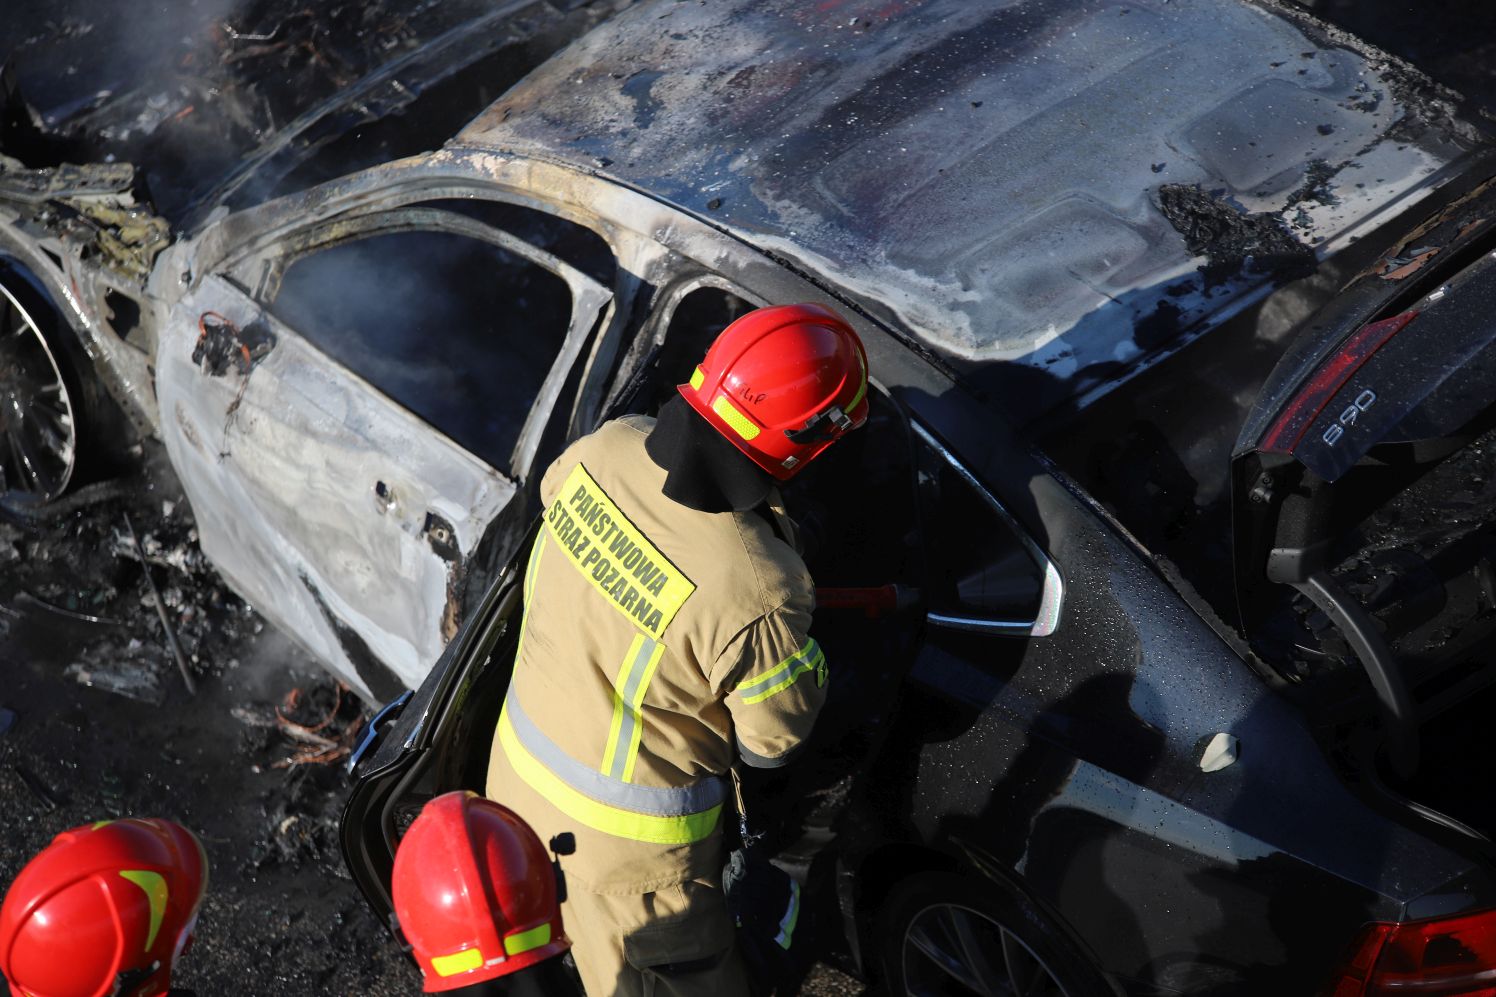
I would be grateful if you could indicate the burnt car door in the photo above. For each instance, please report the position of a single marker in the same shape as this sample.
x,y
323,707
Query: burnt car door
x,y
353,403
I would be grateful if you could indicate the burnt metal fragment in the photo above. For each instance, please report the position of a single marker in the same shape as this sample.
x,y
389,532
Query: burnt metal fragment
x,y
27,599
171,634
1316,185
50,798
1230,239
442,537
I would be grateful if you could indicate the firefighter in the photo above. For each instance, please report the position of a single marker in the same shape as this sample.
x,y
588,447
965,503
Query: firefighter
x,y
476,898
665,631
104,911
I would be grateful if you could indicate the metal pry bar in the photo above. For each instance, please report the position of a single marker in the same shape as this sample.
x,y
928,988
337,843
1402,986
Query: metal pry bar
x,y
171,634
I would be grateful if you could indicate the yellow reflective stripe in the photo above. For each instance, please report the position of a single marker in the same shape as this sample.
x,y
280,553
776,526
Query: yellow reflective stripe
x,y
523,941
457,962
534,567
636,704
791,917
783,675
696,379
862,389
740,423
530,572
615,558
610,754
156,894
787,681
682,830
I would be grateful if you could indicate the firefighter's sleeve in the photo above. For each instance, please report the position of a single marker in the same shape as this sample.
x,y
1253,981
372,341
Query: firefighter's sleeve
x,y
777,683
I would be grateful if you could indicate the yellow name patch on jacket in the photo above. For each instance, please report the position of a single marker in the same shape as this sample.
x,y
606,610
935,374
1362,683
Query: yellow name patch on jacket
x,y
617,559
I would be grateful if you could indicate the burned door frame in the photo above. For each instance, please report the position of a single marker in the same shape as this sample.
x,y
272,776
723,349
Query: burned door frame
x,y
431,521
656,249
590,299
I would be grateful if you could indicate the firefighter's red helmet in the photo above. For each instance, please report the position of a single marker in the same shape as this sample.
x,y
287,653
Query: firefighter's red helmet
x,y
782,384
104,911
475,893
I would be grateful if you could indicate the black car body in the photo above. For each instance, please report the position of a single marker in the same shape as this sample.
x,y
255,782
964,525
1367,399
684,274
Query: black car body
x,y
1100,253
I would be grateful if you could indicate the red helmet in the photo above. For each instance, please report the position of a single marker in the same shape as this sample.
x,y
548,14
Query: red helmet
x,y
783,384
475,893
103,911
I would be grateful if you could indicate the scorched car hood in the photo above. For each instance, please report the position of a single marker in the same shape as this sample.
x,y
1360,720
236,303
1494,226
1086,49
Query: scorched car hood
x,y
1046,193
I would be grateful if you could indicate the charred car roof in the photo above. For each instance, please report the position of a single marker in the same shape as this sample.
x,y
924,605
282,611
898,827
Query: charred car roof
x,y
1073,187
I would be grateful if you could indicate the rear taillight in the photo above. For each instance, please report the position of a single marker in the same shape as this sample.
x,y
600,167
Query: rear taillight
x,y
1299,414
1441,957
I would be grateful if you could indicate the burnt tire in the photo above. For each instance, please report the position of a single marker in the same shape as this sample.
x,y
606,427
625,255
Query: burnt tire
x,y
940,934
54,418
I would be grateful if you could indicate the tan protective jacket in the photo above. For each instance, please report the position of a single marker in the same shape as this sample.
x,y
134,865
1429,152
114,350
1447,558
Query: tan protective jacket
x,y
656,639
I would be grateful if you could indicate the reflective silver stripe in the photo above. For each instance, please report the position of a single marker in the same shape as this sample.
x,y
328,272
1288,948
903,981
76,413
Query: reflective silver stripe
x,y
630,693
781,675
629,696
658,801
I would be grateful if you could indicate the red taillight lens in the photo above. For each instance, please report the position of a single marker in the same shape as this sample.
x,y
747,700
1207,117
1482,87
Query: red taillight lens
x,y
1300,413
1443,957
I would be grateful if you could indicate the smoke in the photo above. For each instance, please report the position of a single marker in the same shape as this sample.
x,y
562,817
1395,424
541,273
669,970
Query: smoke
x,y
73,54
458,331
187,89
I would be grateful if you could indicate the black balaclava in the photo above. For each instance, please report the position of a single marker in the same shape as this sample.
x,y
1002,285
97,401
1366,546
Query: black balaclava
x,y
704,471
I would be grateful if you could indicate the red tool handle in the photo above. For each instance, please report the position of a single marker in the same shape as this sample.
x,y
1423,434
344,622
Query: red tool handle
x,y
875,601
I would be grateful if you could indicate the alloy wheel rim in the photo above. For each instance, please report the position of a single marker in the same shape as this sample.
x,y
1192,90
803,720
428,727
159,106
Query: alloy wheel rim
x,y
950,949
38,432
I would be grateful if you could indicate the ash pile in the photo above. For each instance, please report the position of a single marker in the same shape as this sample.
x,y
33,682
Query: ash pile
x,y
114,575
115,568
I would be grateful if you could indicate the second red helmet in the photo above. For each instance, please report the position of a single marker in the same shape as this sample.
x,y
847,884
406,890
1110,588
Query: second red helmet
x,y
782,384
103,911
475,893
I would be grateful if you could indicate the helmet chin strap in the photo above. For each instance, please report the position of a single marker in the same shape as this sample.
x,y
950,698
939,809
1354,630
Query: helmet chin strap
x,y
703,471
822,426
128,980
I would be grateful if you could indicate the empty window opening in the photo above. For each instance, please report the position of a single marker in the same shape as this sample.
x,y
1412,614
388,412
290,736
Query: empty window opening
x,y
697,320
574,244
455,329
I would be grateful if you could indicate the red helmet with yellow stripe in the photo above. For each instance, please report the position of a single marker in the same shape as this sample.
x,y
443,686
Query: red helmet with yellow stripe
x,y
782,384
475,893
103,911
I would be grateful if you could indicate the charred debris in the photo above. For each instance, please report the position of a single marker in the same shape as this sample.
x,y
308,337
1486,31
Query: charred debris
x,y
1232,240
145,618
233,101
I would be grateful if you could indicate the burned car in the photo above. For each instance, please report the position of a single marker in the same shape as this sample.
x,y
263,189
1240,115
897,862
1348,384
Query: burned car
x,y
1175,488
103,266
